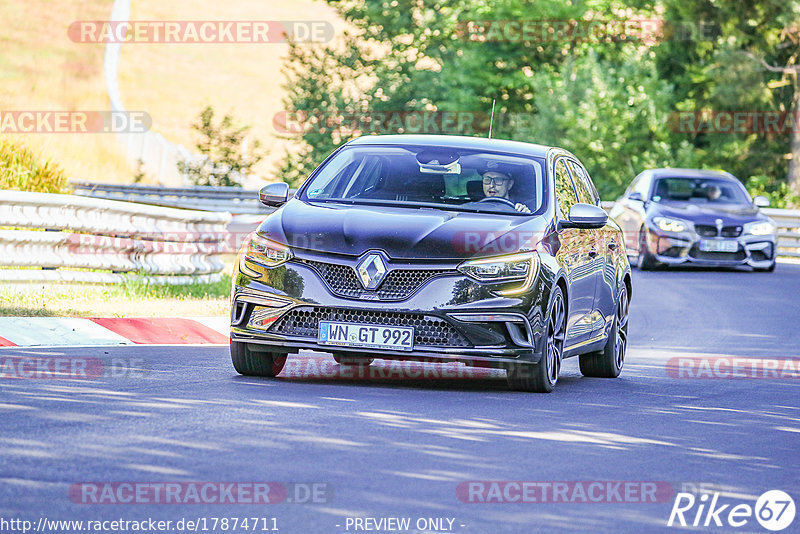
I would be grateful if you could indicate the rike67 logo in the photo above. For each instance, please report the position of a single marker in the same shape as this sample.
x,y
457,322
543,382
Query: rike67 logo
x,y
774,510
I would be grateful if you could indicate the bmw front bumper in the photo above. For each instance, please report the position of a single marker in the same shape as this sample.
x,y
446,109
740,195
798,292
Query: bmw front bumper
x,y
756,251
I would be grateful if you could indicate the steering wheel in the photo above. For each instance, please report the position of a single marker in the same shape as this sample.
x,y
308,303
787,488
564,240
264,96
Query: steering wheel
x,y
498,199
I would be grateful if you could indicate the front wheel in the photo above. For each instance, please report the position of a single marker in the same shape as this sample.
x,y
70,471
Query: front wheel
x,y
607,363
251,363
647,262
542,377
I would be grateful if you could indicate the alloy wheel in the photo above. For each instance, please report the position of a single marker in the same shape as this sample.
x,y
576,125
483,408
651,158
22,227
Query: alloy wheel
x,y
621,344
555,338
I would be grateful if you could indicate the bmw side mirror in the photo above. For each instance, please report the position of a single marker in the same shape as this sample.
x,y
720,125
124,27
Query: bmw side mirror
x,y
761,201
274,195
585,216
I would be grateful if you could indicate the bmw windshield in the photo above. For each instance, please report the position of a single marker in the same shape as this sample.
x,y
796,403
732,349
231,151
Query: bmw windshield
x,y
437,177
705,191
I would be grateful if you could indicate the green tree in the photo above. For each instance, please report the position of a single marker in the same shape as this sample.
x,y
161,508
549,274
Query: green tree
x,y
224,162
610,114
609,99
746,62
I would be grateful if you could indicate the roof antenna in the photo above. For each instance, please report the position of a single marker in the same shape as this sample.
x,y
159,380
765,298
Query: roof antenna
x,y
491,121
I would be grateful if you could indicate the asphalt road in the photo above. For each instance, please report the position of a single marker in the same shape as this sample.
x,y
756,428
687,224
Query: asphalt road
x,y
400,447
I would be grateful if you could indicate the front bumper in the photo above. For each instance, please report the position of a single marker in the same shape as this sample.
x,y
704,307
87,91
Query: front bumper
x,y
681,248
455,318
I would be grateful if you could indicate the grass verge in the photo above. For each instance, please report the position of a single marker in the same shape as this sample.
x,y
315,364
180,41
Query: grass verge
x,y
131,299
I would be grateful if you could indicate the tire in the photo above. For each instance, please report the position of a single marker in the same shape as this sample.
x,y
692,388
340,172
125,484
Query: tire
x,y
542,377
647,262
354,361
251,363
769,269
608,363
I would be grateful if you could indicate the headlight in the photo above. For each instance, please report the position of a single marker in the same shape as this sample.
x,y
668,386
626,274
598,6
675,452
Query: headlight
x,y
760,228
522,267
670,225
265,252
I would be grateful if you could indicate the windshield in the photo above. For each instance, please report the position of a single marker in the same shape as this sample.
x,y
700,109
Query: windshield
x,y
700,191
424,176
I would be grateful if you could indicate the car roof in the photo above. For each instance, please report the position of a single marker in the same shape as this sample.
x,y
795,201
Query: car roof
x,y
454,141
690,173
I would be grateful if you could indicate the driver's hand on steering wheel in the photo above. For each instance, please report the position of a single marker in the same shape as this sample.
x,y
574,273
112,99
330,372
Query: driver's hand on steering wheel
x,y
522,208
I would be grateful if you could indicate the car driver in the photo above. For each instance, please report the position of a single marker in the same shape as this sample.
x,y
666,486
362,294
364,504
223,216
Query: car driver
x,y
499,184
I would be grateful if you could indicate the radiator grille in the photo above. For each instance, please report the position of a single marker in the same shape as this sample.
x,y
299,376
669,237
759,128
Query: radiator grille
x,y
399,284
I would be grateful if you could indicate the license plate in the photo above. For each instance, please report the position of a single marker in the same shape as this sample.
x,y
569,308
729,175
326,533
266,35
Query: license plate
x,y
366,335
714,245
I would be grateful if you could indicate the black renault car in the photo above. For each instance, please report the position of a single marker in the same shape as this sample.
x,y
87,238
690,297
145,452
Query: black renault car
x,y
439,248
690,216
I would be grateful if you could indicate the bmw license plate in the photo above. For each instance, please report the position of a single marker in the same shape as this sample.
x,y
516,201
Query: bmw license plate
x,y
371,336
719,245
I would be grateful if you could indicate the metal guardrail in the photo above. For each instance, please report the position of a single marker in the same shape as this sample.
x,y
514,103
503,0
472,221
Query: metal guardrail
x,y
72,238
51,237
199,197
788,222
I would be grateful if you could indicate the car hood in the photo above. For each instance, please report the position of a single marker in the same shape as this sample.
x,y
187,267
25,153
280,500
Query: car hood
x,y
731,214
402,233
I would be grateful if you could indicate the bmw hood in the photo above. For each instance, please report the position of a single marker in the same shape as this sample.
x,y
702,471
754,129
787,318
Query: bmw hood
x,y
731,214
403,233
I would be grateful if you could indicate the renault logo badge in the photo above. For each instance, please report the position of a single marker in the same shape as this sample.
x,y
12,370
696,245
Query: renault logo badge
x,y
371,271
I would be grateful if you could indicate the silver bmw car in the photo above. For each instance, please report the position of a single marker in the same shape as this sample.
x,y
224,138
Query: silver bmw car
x,y
679,216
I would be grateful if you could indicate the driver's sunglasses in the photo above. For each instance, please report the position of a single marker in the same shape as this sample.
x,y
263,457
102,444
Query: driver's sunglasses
x,y
495,181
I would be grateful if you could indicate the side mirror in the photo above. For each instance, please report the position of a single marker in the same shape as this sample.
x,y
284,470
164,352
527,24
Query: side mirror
x,y
585,216
636,196
274,195
761,202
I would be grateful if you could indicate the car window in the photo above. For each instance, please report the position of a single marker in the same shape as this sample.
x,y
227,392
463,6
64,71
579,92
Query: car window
x,y
565,192
583,185
439,176
700,191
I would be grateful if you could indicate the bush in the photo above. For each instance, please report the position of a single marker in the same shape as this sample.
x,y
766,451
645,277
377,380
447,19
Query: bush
x,y
23,170
779,193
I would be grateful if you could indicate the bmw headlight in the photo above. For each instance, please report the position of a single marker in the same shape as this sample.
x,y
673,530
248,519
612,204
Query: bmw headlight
x,y
522,267
760,228
264,252
667,224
